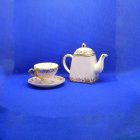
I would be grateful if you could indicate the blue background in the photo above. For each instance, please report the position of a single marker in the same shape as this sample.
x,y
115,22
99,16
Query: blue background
x,y
47,30
35,31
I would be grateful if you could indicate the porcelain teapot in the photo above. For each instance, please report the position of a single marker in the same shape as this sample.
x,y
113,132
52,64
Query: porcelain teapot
x,y
84,66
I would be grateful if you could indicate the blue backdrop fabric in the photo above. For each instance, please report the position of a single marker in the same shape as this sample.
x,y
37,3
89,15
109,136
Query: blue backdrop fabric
x,y
47,30
35,31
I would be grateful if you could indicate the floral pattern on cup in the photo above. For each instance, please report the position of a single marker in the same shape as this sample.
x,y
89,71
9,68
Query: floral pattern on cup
x,y
47,71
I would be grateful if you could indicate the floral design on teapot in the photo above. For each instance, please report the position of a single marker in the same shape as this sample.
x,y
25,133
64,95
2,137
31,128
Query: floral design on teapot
x,y
85,80
84,66
85,52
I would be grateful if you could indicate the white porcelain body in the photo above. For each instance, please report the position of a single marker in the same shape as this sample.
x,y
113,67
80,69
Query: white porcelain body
x,y
82,68
45,71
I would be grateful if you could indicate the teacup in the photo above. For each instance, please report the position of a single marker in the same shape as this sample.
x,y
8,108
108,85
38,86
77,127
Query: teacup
x,y
45,71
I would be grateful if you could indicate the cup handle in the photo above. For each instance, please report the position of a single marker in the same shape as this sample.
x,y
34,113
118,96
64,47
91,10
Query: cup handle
x,y
64,62
34,70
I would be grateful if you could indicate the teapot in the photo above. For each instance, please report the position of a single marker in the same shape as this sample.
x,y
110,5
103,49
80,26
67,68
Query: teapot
x,y
84,66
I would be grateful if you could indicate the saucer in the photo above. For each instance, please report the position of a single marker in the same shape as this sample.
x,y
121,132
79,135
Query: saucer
x,y
58,80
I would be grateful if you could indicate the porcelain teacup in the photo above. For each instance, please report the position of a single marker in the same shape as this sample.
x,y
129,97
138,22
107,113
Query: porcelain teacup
x,y
44,71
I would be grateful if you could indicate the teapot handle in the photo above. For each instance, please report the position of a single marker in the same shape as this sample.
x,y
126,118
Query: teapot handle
x,y
64,62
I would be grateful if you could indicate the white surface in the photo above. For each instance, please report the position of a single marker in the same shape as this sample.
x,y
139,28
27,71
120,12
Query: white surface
x,y
100,65
46,65
83,67
64,62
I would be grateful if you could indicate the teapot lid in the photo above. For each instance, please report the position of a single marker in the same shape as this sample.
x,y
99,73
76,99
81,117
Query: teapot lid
x,y
84,51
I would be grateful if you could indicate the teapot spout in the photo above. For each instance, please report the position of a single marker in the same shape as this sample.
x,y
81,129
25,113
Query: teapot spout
x,y
100,64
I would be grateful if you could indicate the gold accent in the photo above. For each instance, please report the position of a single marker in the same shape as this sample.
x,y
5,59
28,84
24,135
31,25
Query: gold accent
x,y
56,69
83,45
83,51
35,71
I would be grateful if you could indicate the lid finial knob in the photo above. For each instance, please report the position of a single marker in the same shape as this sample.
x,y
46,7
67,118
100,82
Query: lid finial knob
x,y
83,45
